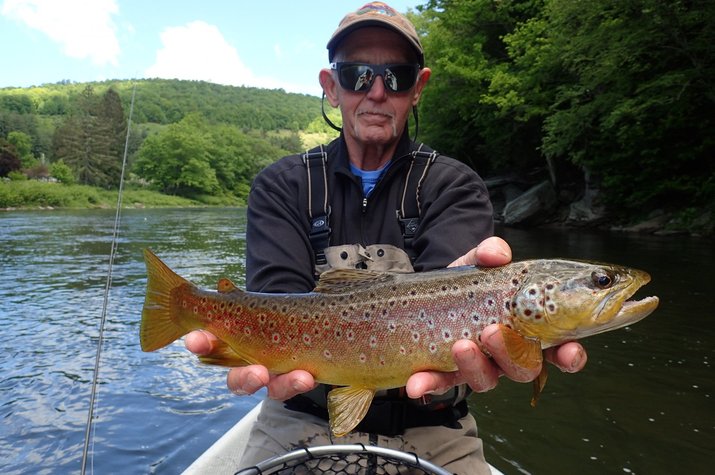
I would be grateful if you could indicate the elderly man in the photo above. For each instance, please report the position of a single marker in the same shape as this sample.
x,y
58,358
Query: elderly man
x,y
348,204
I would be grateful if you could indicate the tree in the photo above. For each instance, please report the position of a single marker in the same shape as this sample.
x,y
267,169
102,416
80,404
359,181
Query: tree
x,y
23,147
176,160
89,139
9,160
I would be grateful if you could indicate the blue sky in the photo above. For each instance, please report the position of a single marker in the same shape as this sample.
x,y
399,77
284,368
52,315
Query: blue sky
x,y
265,43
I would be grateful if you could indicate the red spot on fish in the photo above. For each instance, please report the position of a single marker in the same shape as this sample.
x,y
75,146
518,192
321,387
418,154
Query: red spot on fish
x,y
276,338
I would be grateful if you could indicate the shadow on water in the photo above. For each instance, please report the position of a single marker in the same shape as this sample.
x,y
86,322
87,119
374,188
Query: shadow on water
x,y
643,404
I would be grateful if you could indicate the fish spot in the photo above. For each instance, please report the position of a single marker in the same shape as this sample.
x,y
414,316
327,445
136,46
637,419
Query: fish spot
x,y
373,341
415,336
327,354
382,361
466,333
403,351
452,315
276,338
432,348
307,339
262,317
184,304
247,331
196,309
552,308
292,320
476,318
392,327
326,323
447,335
338,333
430,323
471,295
362,357
350,335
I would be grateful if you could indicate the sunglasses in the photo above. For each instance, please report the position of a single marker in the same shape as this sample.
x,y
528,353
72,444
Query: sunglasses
x,y
361,76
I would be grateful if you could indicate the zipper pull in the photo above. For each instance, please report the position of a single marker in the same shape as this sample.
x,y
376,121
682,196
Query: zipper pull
x,y
364,204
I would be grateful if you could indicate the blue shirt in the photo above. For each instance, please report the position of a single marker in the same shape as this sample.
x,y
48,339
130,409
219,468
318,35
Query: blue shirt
x,y
369,178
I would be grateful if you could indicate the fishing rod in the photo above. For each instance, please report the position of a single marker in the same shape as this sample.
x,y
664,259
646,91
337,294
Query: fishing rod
x,y
108,285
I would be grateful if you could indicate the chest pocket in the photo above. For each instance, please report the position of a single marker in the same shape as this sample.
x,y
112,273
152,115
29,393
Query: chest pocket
x,y
376,257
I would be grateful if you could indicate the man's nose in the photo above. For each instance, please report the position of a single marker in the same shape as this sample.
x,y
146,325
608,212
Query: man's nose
x,y
378,91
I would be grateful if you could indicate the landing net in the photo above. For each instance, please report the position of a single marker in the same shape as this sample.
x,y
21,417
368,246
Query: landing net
x,y
351,459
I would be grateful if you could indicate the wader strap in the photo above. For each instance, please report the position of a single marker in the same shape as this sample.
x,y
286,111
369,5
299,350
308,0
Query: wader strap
x,y
315,161
409,211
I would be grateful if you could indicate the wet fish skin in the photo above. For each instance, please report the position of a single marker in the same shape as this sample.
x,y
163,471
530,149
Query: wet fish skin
x,y
371,330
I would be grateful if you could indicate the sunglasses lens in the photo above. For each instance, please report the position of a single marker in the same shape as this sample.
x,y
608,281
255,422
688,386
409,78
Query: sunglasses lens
x,y
356,77
359,77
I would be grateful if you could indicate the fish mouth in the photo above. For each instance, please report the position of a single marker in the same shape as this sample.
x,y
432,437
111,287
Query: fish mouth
x,y
631,311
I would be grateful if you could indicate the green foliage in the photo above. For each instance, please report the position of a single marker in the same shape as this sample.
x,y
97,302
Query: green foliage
x,y
9,160
62,173
195,158
32,194
223,135
23,146
623,88
90,139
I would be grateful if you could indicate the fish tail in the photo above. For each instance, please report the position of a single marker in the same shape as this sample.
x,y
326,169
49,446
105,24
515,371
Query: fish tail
x,y
159,325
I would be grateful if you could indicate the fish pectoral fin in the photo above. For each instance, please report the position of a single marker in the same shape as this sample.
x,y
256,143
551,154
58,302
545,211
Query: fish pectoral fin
x,y
539,384
525,352
347,406
223,355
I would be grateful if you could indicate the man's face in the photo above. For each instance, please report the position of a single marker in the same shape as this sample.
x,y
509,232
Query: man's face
x,y
377,116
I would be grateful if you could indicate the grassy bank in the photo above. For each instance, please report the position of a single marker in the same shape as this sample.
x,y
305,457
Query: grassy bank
x,y
37,194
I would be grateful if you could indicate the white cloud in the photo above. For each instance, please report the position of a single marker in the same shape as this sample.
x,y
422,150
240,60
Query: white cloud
x,y
198,51
84,28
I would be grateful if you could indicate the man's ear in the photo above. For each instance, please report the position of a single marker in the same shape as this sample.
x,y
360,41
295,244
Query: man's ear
x,y
422,79
329,85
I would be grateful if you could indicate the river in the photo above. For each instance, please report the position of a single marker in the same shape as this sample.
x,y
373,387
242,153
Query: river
x,y
644,404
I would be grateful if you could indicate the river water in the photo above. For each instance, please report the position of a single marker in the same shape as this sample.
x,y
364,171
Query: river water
x,y
644,404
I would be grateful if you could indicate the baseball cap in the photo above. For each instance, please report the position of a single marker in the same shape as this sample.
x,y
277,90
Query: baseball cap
x,y
376,14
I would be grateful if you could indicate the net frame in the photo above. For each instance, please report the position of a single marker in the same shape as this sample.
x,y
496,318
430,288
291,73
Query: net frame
x,y
365,459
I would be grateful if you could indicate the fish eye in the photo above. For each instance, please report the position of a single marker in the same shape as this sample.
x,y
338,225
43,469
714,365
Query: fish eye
x,y
602,279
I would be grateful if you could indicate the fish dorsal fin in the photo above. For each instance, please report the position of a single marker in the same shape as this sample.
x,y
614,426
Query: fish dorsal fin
x,y
225,286
337,281
347,406
223,355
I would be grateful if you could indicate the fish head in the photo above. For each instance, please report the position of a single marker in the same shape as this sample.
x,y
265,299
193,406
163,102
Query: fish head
x,y
559,300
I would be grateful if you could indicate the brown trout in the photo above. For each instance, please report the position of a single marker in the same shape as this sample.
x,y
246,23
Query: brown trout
x,y
365,331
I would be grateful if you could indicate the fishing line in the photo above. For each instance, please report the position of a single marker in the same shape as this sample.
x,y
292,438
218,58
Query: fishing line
x,y
89,430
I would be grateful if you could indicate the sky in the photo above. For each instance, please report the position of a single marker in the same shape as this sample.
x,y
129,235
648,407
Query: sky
x,y
265,43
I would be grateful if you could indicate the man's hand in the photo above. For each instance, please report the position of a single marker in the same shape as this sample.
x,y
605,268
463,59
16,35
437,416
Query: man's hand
x,y
475,368
249,379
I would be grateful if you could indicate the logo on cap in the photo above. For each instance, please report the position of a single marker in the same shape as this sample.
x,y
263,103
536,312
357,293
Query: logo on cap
x,y
379,8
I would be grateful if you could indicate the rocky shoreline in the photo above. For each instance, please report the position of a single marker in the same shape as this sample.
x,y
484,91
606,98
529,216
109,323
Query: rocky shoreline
x,y
520,203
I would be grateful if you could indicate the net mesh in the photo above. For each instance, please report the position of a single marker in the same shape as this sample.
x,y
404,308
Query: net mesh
x,y
346,460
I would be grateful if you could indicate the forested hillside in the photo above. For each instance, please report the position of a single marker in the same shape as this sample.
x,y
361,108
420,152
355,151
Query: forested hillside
x,y
189,138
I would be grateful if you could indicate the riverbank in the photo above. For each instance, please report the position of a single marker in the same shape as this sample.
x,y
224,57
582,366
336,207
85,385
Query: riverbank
x,y
33,194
